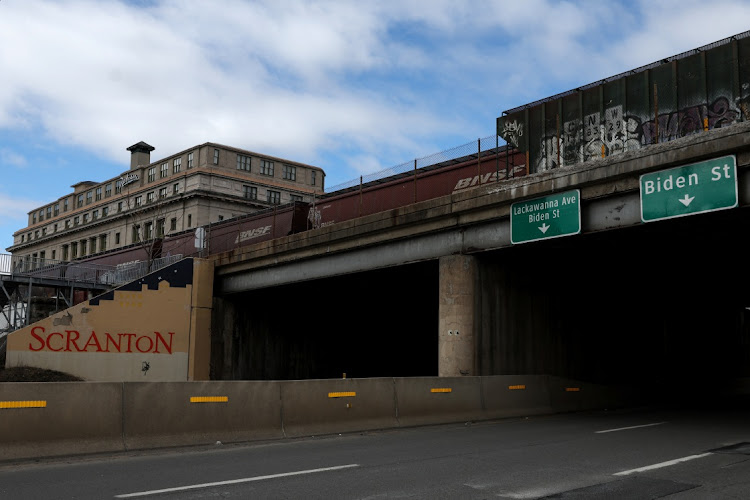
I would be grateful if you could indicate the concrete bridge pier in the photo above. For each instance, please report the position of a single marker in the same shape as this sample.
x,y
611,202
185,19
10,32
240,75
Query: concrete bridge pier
x,y
456,310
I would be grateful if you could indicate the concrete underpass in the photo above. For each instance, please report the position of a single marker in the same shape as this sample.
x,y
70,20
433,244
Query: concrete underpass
x,y
651,305
372,324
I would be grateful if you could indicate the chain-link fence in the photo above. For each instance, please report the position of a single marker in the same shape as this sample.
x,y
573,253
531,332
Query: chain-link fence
x,y
463,152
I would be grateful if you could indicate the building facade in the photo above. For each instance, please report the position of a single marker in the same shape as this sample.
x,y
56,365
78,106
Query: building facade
x,y
200,185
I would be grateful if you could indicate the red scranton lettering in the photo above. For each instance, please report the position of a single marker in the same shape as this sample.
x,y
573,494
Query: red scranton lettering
x,y
40,339
71,342
150,344
163,342
93,341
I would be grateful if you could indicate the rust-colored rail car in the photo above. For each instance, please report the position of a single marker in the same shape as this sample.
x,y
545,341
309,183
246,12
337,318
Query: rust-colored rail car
x,y
408,188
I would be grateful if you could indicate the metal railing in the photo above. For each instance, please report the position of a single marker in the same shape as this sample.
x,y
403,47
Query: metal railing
x,y
470,149
124,273
34,267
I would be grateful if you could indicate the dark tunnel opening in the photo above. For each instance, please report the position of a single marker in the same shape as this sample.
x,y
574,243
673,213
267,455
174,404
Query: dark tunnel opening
x,y
379,323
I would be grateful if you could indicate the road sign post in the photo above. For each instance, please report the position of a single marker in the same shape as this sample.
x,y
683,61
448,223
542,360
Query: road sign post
x,y
700,187
547,217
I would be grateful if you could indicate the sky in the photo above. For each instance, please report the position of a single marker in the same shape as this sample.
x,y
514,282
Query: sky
x,y
353,87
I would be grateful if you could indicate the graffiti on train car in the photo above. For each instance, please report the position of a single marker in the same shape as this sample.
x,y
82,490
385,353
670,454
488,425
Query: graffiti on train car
x,y
251,234
498,175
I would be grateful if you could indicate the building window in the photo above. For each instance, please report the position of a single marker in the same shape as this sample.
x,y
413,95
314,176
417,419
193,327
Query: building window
x,y
173,224
190,220
274,197
290,173
138,201
216,156
176,188
105,211
176,165
76,221
83,248
117,238
313,175
118,187
67,224
160,228
108,190
190,160
295,197
103,243
65,205
85,218
136,233
44,232
89,197
65,252
266,167
243,162
119,206
162,192
150,197
164,171
41,215
57,209
73,250
49,212
221,218
54,254
152,174
80,200
33,218
54,228
98,193
93,245
250,192
148,231
95,215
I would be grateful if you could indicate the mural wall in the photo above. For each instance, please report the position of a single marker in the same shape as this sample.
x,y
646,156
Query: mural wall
x,y
697,91
156,328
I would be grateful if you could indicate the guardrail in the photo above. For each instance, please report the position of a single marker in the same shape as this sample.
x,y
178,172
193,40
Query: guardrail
x,y
66,418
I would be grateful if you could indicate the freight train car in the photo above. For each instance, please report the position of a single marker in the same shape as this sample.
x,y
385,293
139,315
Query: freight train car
x,y
423,184
686,94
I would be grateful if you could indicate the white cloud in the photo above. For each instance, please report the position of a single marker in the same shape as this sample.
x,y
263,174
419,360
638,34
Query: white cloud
x,y
9,157
298,78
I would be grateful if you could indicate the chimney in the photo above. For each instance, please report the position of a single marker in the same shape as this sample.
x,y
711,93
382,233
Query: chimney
x,y
140,154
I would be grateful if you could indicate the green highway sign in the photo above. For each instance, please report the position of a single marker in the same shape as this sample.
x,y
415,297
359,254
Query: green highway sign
x,y
547,217
691,189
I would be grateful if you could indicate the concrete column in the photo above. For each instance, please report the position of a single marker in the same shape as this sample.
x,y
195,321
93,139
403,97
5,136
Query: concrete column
x,y
457,289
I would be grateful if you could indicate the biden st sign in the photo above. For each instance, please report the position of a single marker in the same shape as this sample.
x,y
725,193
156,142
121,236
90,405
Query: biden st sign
x,y
690,189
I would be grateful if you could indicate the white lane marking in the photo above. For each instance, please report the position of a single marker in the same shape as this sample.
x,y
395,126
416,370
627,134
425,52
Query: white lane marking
x,y
628,428
663,464
233,481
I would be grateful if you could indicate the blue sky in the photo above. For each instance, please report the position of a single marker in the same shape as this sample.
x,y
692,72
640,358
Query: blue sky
x,y
353,87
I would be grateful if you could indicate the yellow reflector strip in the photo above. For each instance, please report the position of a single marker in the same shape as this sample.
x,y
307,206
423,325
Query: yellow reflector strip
x,y
22,404
209,399
441,389
341,394
572,389
517,387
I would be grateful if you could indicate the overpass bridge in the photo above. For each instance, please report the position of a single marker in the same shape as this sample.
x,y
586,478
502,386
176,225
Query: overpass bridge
x,y
438,287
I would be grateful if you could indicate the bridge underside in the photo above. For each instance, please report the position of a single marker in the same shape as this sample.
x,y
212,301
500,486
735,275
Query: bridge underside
x,y
660,303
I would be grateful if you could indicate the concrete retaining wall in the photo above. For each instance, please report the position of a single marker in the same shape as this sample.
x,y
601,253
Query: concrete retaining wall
x,y
55,419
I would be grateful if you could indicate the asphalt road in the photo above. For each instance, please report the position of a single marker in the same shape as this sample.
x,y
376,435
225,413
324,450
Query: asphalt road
x,y
684,454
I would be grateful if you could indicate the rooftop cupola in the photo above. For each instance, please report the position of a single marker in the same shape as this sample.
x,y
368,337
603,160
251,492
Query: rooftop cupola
x,y
140,154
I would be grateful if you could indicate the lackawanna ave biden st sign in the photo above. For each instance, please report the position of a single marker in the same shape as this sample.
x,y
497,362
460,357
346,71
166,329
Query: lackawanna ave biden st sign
x,y
547,217
691,189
